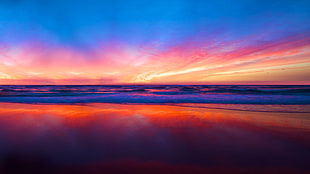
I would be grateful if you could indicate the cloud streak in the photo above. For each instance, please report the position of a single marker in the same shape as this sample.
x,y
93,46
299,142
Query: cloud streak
x,y
176,47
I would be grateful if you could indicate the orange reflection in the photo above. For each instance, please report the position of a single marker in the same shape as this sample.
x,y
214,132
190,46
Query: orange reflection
x,y
172,137
171,115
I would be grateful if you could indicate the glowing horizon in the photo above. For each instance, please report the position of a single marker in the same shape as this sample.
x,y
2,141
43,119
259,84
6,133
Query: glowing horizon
x,y
158,42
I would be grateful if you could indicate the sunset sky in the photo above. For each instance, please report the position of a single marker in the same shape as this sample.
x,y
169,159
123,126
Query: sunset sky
x,y
154,42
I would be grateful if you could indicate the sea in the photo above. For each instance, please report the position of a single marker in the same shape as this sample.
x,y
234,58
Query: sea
x,y
154,129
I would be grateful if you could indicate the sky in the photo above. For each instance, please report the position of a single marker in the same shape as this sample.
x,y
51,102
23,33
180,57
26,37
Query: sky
x,y
154,42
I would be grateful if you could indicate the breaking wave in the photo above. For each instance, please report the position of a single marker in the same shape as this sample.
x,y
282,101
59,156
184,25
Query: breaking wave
x,y
222,94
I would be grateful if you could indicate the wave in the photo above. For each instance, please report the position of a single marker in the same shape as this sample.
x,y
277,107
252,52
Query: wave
x,y
233,94
251,107
157,89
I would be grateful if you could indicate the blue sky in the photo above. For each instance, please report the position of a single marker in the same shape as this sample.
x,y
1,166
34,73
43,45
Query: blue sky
x,y
193,35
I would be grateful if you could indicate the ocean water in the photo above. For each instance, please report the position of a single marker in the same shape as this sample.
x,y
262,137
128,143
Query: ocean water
x,y
163,94
154,129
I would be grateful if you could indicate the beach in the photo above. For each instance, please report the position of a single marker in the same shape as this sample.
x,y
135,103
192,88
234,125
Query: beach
x,y
153,138
154,87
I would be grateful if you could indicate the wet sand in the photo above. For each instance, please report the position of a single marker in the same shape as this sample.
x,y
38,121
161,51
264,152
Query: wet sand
x,y
119,138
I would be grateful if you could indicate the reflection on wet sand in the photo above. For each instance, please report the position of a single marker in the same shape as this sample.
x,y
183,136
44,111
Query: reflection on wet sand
x,y
150,139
